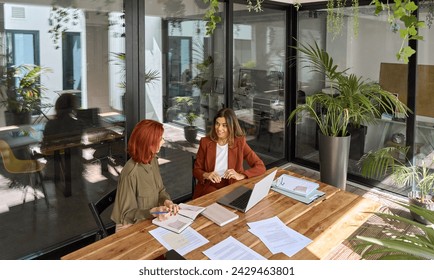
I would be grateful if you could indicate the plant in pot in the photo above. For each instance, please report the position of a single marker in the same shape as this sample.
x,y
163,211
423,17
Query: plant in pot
x,y
190,131
185,105
351,103
419,176
22,92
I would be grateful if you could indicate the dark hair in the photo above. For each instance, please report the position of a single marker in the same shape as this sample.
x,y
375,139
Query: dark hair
x,y
234,127
144,140
65,104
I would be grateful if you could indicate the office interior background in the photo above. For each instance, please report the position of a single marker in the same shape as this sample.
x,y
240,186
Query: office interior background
x,y
134,59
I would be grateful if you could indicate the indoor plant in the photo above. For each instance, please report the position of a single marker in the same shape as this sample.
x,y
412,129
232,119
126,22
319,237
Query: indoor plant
x,y
399,245
419,176
213,19
353,102
185,105
21,92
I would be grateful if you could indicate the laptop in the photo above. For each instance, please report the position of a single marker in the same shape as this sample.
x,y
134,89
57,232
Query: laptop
x,y
244,198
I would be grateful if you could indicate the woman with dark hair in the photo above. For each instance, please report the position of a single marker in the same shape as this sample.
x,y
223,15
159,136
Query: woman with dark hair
x,y
140,192
64,128
219,160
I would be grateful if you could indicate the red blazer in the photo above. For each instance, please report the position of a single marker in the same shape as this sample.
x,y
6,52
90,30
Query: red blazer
x,y
205,162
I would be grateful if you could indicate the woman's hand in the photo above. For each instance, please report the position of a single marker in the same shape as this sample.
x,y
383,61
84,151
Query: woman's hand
x,y
232,174
212,176
173,208
161,212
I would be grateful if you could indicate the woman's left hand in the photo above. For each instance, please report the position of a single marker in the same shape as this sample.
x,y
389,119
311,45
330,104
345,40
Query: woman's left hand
x,y
174,208
232,174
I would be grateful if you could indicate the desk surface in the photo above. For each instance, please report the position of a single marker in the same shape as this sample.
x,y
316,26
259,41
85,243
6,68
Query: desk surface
x,y
327,222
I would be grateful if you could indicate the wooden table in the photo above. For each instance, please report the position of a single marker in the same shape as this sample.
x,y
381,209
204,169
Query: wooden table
x,y
94,137
328,222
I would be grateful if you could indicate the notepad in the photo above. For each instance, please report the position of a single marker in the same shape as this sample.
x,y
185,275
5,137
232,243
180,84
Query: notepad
x,y
184,218
295,185
219,214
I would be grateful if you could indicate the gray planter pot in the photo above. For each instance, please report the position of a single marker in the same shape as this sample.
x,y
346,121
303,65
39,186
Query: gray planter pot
x,y
414,199
18,118
333,160
190,134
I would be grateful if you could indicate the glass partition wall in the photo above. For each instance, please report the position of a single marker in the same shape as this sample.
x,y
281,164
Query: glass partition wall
x,y
80,46
259,44
368,49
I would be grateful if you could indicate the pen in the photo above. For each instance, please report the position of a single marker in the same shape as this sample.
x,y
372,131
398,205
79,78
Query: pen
x,y
160,212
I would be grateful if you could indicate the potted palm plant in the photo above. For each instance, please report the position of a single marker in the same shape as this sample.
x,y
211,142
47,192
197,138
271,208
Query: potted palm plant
x,y
350,103
22,92
419,176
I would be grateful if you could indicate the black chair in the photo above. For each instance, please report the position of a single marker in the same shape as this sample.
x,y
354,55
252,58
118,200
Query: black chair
x,y
97,208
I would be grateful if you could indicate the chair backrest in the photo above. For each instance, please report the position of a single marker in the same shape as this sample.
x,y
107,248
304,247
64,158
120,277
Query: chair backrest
x,y
97,208
7,155
17,166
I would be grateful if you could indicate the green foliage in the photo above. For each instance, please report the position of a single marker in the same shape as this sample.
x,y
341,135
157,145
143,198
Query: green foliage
x,y
150,75
185,103
213,19
398,245
384,161
335,16
191,118
356,101
21,89
402,11
60,19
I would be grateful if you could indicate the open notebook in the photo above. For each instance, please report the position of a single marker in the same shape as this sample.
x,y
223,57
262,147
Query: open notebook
x,y
184,218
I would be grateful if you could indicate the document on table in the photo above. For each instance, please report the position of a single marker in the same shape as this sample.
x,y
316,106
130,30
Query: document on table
x,y
278,237
231,249
183,242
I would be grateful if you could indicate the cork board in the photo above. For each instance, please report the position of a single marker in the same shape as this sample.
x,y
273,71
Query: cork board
x,y
393,78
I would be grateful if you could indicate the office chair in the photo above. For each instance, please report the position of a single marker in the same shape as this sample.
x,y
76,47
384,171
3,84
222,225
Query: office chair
x,y
30,167
97,208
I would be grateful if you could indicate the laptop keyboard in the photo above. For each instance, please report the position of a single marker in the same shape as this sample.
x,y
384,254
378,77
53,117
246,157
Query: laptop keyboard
x,y
242,200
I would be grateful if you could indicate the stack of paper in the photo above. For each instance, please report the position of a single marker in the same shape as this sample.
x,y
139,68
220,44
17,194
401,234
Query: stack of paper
x,y
278,237
297,188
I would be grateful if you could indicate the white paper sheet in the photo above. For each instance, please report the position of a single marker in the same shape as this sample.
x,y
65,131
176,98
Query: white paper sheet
x,y
278,237
231,249
183,242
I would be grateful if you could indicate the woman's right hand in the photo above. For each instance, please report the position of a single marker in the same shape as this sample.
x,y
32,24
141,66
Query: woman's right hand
x,y
163,216
212,176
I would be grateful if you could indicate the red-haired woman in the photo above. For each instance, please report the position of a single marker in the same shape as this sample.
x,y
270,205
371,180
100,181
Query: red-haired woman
x,y
140,192
219,160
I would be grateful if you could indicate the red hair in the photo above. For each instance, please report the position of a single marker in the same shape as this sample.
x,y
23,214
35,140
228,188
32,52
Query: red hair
x,y
144,140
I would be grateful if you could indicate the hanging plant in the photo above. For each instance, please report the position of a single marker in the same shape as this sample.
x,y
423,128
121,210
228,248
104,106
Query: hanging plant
x,y
213,19
60,19
175,11
430,13
335,16
402,11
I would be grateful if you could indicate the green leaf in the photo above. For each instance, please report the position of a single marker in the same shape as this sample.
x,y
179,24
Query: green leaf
x,y
410,6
